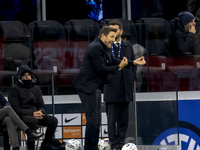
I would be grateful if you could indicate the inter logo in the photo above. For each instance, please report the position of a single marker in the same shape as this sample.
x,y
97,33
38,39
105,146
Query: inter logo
x,y
188,139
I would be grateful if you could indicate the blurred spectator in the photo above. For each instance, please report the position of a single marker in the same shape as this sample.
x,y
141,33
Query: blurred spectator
x,y
186,33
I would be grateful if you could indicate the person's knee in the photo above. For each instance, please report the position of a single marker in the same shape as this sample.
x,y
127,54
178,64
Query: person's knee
x,y
7,109
54,121
7,121
51,121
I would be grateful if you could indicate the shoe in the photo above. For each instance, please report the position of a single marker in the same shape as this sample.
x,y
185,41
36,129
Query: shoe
x,y
34,136
48,147
56,142
16,148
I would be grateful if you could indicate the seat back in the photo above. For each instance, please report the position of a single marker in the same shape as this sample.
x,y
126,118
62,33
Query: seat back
x,y
155,35
48,45
81,30
79,33
14,45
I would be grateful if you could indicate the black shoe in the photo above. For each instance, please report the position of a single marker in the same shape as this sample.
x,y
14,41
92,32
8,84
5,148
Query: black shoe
x,y
47,147
16,148
34,136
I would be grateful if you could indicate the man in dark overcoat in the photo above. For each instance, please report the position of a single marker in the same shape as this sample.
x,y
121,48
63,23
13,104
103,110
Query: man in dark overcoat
x,y
118,90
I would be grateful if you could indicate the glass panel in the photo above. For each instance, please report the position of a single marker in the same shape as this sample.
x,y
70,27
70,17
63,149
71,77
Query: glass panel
x,y
166,87
157,115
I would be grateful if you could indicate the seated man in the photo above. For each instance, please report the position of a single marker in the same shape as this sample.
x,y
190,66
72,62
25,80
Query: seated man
x,y
186,33
26,99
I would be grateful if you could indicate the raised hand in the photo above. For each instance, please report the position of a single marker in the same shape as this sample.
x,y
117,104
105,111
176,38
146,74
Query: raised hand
x,y
123,63
139,61
192,29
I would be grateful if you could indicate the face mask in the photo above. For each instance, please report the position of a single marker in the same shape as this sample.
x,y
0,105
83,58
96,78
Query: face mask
x,y
27,83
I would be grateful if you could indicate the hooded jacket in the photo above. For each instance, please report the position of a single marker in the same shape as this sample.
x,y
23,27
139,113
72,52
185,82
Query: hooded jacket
x,y
26,99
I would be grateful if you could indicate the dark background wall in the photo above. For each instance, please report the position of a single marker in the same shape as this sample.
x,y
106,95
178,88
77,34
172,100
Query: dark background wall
x,y
167,9
64,10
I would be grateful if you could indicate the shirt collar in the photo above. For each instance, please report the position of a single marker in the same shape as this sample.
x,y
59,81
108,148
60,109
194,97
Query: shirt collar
x,y
118,42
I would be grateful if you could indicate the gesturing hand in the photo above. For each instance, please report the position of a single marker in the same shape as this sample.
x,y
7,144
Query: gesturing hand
x,y
123,63
139,61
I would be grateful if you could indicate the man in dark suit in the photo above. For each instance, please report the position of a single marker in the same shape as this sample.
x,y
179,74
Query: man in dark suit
x,y
118,90
97,64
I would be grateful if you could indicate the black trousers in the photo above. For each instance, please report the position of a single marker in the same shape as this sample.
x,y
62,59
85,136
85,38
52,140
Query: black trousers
x,y
117,116
92,107
49,121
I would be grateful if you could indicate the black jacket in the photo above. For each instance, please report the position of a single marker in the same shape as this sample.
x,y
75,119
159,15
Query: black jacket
x,y
97,64
119,87
26,100
184,40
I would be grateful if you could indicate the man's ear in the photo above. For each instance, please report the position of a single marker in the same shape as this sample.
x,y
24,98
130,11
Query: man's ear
x,y
102,36
121,31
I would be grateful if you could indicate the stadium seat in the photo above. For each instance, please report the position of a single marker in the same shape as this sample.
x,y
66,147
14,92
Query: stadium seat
x,y
48,45
155,35
183,72
79,33
14,50
14,45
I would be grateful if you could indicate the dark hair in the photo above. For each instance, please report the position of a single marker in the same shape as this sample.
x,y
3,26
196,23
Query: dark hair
x,y
106,30
116,22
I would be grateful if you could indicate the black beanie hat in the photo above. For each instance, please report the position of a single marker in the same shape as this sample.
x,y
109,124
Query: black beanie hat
x,y
185,17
